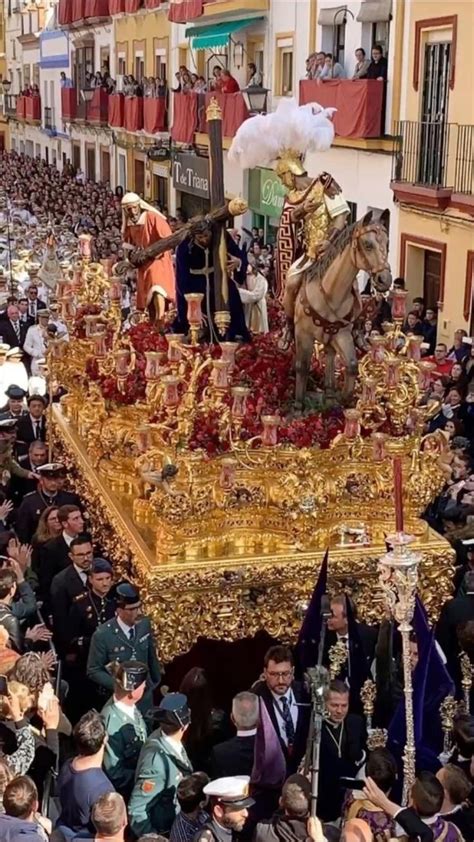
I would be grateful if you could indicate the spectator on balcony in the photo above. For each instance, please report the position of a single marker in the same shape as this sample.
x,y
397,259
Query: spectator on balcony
x,y
362,64
97,80
255,78
331,70
377,68
315,65
186,82
149,87
108,83
216,82
200,87
162,87
430,328
229,84
64,81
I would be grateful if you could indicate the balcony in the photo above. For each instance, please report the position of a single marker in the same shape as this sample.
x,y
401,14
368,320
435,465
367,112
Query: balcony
x,y
50,121
189,114
25,108
9,105
359,104
135,114
433,165
74,109
82,12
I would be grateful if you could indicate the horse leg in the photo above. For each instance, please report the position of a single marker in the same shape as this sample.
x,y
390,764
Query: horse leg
x,y
304,352
344,345
330,370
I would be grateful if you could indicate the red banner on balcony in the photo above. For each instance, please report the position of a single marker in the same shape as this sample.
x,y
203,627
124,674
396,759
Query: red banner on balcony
x,y
133,113
68,103
21,107
153,4
154,114
116,7
64,12
359,104
234,111
132,6
181,11
98,107
116,110
33,108
96,8
77,9
185,117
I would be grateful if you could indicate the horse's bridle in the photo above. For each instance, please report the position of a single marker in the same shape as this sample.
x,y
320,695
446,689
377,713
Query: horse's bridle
x,y
367,229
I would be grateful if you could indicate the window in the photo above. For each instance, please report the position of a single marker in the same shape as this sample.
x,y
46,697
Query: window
x,y
139,71
284,65
380,31
36,75
160,64
121,64
160,190
26,75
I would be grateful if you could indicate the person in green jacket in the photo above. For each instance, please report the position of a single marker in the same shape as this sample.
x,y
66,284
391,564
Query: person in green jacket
x,y
162,764
125,726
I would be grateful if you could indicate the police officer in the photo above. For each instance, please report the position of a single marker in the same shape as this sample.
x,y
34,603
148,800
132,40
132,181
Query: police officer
x,y
15,407
8,465
90,609
162,764
125,638
47,494
125,726
228,802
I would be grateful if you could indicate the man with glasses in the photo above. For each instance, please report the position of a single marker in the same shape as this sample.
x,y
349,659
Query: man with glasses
x,y
128,637
287,703
67,585
34,303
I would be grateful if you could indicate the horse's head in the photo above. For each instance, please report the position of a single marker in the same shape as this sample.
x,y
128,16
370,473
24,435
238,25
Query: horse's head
x,y
370,249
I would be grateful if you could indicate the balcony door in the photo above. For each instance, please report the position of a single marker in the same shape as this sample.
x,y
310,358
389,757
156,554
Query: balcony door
x,y
434,125
431,278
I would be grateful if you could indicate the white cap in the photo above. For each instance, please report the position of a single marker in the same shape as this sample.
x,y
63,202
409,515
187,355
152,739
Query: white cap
x,y
231,792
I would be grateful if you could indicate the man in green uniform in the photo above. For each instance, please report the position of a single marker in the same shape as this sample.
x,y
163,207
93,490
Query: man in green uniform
x,y
125,726
128,637
8,465
162,764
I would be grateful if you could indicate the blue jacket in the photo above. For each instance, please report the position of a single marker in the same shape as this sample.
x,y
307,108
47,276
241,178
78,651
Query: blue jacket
x,y
18,830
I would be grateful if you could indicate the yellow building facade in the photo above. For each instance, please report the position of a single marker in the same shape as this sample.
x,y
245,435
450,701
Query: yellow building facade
x,y
142,48
433,164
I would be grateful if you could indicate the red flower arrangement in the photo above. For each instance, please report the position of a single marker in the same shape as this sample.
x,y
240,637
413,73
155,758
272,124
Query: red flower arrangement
x,y
262,365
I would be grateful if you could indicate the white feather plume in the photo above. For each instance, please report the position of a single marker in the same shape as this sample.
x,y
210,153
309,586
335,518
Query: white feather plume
x,y
304,128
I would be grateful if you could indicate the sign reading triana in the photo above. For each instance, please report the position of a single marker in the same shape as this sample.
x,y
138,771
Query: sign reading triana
x,y
191,174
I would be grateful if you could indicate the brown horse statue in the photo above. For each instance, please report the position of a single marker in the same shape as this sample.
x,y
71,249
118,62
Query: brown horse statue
x,y
328,304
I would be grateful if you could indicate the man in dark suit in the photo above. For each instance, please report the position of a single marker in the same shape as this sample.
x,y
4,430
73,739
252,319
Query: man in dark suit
x,y
48,493
360,644
32,424
15,407
67,585
235,756
343,740
454,613
36,457
34,303
12,330
287,702
56,552
23,308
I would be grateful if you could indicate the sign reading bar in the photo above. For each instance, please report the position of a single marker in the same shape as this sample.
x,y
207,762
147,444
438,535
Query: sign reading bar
x,y
191,174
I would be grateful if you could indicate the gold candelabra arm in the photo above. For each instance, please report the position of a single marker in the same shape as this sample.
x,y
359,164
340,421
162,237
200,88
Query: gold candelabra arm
x,y
466,680
368,694
337,658
447,710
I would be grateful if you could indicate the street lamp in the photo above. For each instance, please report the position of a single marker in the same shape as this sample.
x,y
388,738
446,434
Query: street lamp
x,y
6,85
87,94
255,97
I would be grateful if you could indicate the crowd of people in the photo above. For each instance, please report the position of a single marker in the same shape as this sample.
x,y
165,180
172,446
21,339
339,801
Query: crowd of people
x,y
221,80
323,67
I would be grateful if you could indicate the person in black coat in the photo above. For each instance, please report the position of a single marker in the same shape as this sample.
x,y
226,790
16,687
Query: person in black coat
x,y
235,756
12,330
287,702
31,425
55,555
377,68
343,741
36,457
360,645
67,585
454,613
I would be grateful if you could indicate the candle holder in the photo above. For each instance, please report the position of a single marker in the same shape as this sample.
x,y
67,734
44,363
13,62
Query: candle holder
x,y
270,430
414,347
115,289
368,391
220,375
68,308
398,581
100,344
378,446
399,305
143,437
85,247
425,369
91,323
124,365
239,401
351,423
228,352
393,372
171,394
227,473
222,320
174,341
153,365
377,348
194,302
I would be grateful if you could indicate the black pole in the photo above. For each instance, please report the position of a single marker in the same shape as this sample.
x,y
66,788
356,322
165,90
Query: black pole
x,y
217,196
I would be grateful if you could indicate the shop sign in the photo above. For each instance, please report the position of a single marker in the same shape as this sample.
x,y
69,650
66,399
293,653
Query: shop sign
x,y
158,153
191,174
267,193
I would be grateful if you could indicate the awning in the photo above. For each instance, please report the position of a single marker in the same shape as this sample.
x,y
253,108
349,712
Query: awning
x,y
331,16
373,11
216,34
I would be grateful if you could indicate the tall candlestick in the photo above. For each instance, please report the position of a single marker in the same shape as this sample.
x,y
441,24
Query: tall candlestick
x,y
398,492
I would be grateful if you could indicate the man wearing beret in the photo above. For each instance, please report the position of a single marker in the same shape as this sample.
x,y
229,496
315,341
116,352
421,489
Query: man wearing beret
x,y
125,726
128,637
14,408
229,804
91,608
162,764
